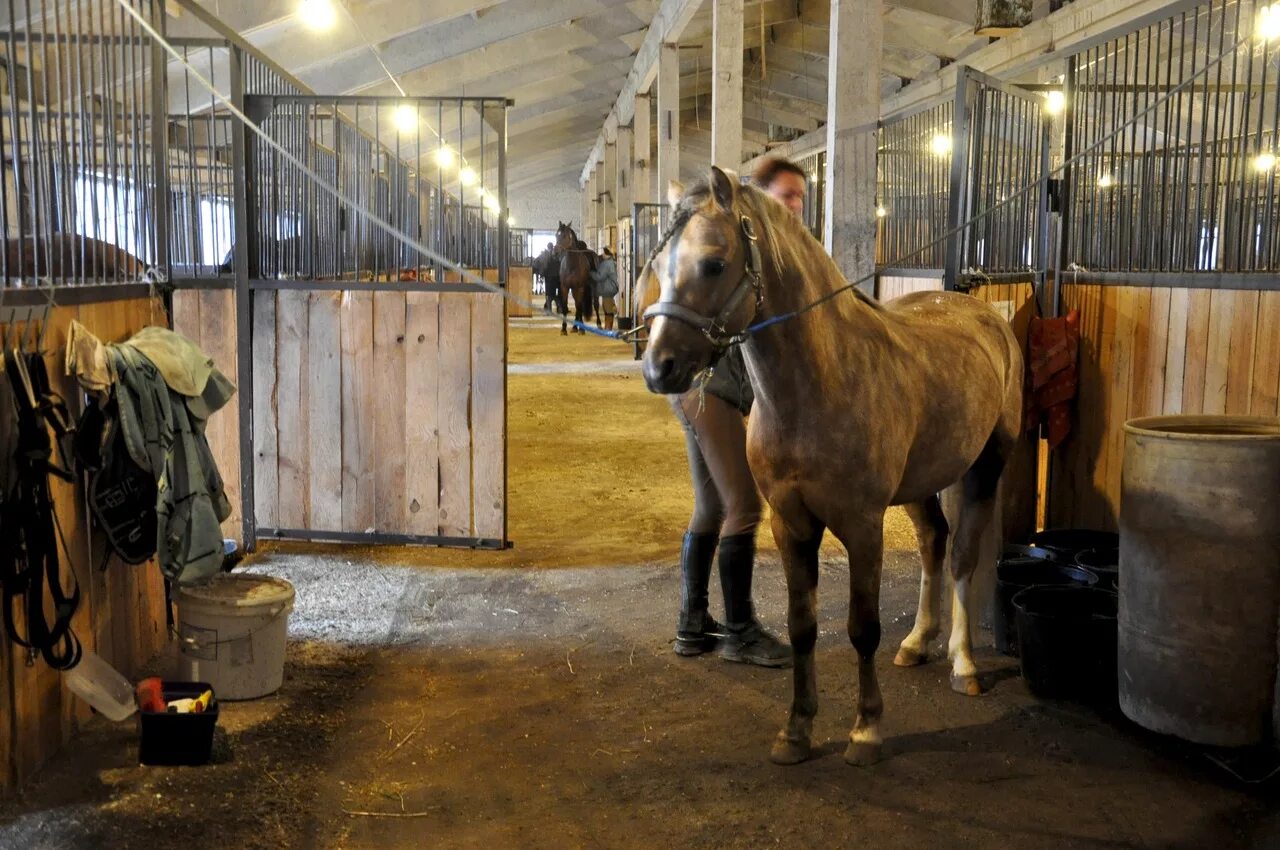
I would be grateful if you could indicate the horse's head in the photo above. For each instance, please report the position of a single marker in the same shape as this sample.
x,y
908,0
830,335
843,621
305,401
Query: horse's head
x,y
708,280
566,239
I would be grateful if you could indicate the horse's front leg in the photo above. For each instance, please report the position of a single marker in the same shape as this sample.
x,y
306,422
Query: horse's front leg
x,y
863,537
798,542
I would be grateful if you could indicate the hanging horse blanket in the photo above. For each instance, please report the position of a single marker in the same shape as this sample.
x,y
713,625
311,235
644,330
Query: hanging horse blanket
x,y
1054,347
164,389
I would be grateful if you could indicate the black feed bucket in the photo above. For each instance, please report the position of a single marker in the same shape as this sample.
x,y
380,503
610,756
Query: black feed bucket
x,y
1067,642
1016,574
1072,541
1105,563
625,323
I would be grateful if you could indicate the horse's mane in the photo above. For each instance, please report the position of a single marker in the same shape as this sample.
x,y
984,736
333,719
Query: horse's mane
x,y
784,232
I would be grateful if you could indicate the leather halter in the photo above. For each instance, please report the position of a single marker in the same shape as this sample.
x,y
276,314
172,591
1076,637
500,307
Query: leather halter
x,y
713,327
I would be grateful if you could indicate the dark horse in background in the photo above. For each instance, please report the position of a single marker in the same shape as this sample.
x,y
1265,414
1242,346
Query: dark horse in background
x,y
577,261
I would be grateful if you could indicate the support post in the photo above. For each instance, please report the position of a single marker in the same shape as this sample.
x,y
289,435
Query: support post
x,y
245,247
958,206
622,178
641,142
668,118
853,113
726,84
608,184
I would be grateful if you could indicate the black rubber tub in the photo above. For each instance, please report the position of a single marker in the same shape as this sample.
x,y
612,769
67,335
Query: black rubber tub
x,y
1016,574
1072,541
1067,642
1105,563
1021,550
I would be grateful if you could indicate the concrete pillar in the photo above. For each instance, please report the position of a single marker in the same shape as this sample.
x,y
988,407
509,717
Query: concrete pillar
x,y
668,118
609,185
853,109
641,168
726,83
622,182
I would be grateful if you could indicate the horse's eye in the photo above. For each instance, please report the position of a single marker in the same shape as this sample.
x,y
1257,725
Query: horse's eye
x,y
712,268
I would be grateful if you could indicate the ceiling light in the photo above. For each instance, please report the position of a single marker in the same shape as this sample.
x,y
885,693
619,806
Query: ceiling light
x,y
940,144
1106,181
445,157
1264,161
491,204
881,212
318,15
468,176
406,118
1054,102
1269,22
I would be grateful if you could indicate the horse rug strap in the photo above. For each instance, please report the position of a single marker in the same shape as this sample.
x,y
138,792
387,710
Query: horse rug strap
x,y
29,536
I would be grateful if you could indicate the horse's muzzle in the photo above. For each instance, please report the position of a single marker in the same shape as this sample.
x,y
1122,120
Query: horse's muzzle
x,y
666,374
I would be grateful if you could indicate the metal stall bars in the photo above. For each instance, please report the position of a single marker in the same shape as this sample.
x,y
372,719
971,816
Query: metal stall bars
x,y
914,169
80,150
1001,146
1188,192
389,410
648,221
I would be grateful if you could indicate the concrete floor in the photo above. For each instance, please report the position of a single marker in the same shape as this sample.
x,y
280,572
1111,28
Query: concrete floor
x,y
439,702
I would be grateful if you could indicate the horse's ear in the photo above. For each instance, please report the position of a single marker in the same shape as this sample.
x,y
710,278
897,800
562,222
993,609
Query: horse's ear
x,y
722,188
675,191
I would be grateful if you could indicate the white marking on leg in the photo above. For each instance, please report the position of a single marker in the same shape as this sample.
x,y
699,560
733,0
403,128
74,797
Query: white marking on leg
x,y
867,734
927,616
960,647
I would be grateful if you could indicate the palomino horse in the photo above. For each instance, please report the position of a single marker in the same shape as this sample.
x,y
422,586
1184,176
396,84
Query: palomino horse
x,y
858,406
576,263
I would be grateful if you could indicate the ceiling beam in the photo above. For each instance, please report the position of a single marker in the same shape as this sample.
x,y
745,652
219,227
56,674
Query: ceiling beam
x,y
667,26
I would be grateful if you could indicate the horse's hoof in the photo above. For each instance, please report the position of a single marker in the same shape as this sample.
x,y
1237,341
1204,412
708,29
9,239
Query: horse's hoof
x,y
789,750
910,657
967,685
862,753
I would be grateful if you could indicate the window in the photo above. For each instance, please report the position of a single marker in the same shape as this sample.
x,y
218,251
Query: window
x,y
111,211
215,231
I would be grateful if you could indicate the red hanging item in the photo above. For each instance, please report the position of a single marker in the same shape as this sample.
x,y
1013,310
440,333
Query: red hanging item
x,y
1053,349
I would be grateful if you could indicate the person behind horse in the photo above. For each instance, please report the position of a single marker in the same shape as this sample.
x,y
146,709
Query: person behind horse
x,y
548,265
727,506
605,278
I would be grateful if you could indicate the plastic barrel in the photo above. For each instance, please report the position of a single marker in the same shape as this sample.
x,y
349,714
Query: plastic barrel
x,y
1200,576
1067,642
1016,574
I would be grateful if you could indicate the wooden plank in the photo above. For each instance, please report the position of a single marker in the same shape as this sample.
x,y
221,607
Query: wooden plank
x,y
1196,353
453,404
358,404
1244,326
1176,351
292,311
488,416
1156,329
324,410
1120,376
422,434
186,314
1266,361
1221,313
218,340
520,284
390,504
1142,359
266,466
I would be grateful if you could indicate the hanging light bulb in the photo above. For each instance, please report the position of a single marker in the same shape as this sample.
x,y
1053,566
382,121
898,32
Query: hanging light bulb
x,y
940,144
1264,161
1054,102
881,212
511,221
318,15
468,176
1106,181
445,157
406,118
491,204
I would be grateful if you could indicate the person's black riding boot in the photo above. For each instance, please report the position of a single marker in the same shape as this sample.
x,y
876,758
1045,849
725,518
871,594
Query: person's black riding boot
x,y
747,641
696,632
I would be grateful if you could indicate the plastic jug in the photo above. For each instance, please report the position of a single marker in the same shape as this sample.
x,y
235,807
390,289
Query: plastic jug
x,y
97,683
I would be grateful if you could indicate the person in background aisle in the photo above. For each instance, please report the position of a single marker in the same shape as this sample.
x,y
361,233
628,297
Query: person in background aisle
x,y
605,278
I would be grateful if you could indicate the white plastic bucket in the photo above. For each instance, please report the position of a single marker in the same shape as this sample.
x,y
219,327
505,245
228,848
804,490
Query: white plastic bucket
x,y
232,632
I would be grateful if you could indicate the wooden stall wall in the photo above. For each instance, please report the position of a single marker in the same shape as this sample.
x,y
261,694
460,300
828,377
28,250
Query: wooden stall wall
x,y
891,287
520,285
380,412
207,317
121,615
1151,351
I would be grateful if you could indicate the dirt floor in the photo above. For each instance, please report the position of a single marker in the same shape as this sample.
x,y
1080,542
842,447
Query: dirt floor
x,y
530,698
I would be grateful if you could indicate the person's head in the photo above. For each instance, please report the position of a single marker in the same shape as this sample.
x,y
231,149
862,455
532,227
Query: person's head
x,y
551,246
784,180
607,254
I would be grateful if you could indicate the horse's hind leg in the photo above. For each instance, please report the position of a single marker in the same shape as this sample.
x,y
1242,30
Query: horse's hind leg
x,y
932,532
978,506
799,551
863,538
